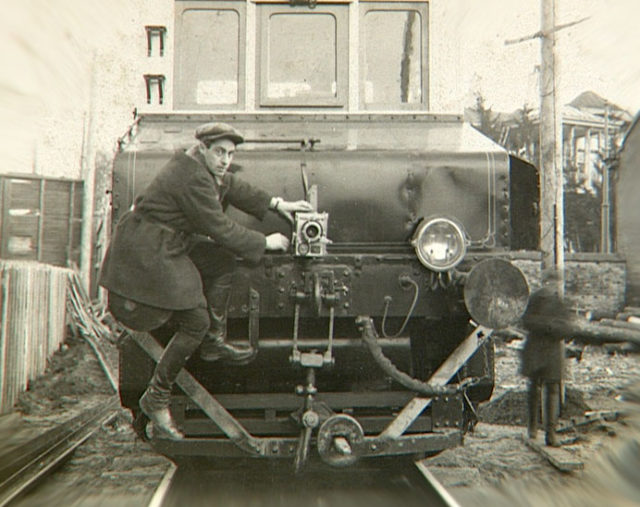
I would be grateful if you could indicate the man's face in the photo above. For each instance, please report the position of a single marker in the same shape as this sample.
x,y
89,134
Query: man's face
x,y
218,156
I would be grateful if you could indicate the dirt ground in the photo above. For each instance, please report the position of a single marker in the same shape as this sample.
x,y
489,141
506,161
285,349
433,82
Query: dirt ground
x,y
118,465
495,454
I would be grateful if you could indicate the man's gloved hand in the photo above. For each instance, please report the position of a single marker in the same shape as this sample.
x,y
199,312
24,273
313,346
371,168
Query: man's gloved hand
x,y
277,241
286,208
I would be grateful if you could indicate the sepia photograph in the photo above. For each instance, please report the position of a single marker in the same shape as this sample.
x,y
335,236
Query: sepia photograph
x,y
332,253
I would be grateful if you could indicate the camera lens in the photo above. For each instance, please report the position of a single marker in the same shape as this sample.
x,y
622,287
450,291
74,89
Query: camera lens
x,y
312,230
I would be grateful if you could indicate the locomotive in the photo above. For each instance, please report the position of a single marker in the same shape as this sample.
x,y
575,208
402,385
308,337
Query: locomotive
x,y
370,338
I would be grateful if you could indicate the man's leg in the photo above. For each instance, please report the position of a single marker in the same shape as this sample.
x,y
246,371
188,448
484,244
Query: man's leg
x,y
552,406
216,266
533,407
192,326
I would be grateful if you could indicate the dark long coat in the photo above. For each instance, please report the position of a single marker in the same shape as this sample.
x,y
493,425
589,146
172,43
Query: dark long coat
x,y
543,352
147,260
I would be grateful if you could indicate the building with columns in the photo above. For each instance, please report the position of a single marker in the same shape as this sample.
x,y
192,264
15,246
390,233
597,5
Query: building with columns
x,y
592,128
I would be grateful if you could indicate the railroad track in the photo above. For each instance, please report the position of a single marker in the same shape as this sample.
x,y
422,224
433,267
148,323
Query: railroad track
x,y
25,466
259,485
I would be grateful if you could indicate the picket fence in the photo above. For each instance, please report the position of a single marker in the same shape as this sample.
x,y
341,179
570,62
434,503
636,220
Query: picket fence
x,y
32,326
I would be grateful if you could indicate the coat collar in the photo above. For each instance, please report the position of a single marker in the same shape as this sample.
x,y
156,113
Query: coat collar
x,y
194,154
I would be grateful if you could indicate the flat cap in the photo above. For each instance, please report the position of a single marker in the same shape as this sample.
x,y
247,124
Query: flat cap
x,y
216,130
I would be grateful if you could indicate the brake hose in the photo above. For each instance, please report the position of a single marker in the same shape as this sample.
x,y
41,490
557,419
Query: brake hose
x,y
419,386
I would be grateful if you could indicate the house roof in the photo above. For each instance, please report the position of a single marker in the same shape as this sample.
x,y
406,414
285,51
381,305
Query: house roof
x,y
570,116
595,103
590,99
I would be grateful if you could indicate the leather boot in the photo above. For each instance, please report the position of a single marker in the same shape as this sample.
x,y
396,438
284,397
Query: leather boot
x,y
214,347
155,400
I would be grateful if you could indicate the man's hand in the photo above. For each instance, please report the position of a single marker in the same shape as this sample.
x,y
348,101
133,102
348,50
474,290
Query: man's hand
x,y
277,241
287,208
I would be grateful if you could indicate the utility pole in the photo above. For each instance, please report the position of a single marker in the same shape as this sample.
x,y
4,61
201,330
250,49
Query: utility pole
x,y
551,177
605,225
551,174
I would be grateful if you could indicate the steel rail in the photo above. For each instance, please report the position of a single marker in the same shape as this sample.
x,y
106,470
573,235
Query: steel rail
x,y
435,493
23,467
163,488
409,484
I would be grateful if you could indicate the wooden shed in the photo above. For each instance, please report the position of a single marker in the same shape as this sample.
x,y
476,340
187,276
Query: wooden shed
x,y
627,195
40,219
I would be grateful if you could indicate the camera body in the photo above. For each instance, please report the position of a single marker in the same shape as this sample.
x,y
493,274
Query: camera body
x,y
310,235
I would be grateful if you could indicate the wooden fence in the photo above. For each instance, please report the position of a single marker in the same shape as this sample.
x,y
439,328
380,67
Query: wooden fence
x,y
32,326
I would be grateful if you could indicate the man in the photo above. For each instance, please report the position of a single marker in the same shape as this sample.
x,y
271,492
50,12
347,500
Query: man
x,y
547,321
158,264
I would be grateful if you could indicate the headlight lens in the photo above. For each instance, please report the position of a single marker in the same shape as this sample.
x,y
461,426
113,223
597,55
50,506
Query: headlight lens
x,y
440,243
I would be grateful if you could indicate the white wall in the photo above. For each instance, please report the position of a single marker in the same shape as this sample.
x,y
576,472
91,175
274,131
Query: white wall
x,y
72,77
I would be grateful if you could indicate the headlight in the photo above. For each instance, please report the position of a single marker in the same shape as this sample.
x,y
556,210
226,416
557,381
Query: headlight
x,y
439,243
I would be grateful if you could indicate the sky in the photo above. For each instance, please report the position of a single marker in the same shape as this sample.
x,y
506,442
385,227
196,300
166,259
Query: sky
x,y
601,54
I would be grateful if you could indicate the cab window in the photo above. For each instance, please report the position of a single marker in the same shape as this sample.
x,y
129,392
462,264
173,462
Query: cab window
x,y
209,61
393,56
303,55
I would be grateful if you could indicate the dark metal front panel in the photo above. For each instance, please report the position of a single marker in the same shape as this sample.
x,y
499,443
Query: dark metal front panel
x,y
375,178
359,283
524,211
379,196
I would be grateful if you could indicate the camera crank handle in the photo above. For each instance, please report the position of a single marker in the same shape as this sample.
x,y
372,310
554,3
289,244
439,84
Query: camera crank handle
x,y
310,192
